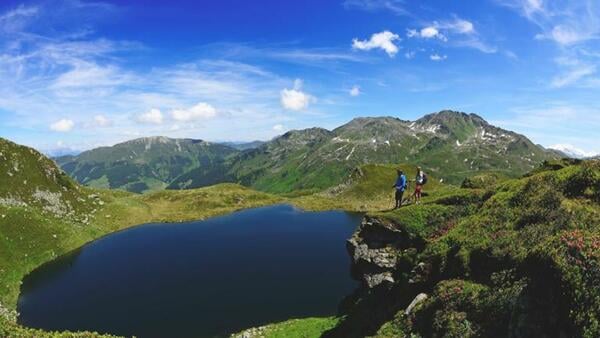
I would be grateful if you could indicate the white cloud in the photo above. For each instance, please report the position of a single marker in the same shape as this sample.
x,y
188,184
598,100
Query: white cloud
x,y
574,28
62,125
511,55
355,91
395,6
437,57
431,32
573,75
564,22
311,56
464,27
410,54
528,8
558,122
565,35
572,150
102,121
295,99
436,29
19,12
278,128
154,116
475,43
383,40
200,111
17,18
87,74
458,26
458,32
532,6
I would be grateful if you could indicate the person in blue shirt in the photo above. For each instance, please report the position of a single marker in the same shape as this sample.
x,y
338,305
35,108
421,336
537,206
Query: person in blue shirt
x,y
400,186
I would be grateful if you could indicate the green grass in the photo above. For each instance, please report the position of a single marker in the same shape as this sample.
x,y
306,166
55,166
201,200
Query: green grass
x,y
516,257
45,214
485,247
31,236
293,328
369,188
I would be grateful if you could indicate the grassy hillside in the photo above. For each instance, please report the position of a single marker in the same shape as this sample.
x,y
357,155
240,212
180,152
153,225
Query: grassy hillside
x,y
523,252
148,164
44,214
515,259
368,188
29,237
294,328
450,145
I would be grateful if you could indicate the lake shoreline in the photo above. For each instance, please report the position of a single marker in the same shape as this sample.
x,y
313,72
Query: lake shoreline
x,y
310,263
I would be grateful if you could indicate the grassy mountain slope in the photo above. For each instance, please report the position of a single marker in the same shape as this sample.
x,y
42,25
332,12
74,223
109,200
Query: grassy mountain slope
x,y
449,145
518,259
44,214
279,164
515,258
147,164
499,248
368,188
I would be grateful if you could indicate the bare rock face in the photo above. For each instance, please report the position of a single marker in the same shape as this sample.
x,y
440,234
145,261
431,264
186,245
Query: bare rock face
x,y
375,279
384,257
375,249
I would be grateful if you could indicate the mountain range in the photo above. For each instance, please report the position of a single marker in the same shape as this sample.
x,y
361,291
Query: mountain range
x,y
507,258
148,163
451,145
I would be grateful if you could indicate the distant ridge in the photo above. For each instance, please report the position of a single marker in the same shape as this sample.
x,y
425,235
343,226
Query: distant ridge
x,y
451,145
147,163
244,145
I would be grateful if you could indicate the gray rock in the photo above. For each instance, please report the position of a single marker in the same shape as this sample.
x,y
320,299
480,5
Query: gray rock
x,y
377,279
418,299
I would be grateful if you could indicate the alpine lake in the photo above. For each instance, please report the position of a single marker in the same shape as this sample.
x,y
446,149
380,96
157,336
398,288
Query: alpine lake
x,y
205,278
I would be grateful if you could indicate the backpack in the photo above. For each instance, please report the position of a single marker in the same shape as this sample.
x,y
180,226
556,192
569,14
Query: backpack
x,y
424,178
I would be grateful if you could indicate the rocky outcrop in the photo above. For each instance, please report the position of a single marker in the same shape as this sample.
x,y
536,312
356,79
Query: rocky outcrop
x,y
377,249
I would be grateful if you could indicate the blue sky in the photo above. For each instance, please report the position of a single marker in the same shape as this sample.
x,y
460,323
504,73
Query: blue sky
x,y
78,74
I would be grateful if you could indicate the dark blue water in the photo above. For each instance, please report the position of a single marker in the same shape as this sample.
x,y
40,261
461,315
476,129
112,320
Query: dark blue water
x,y
197,279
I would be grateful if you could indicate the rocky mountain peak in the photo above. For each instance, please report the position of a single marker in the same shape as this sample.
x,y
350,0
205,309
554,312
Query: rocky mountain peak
x,y
450,119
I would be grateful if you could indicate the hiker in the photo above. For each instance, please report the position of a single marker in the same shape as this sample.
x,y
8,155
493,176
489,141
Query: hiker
x,y
400,186
420,181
